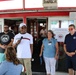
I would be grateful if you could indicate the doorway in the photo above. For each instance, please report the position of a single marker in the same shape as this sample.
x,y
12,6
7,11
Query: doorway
x,y
34,25
13,23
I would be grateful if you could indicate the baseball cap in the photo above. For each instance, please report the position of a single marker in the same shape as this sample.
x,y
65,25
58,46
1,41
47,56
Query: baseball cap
x,y
22,24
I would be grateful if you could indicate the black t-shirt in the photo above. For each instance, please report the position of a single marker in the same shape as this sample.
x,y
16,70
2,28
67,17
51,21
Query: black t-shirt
x,y
5,39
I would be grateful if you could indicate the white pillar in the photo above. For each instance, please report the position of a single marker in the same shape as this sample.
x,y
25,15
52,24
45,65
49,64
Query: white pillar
x,y
1,24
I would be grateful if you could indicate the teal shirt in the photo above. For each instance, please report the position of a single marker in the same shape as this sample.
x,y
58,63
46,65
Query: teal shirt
x,y
49,47
8,68
2,57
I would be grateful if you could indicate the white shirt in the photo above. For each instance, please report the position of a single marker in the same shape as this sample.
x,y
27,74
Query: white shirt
x,y
23,48
43,32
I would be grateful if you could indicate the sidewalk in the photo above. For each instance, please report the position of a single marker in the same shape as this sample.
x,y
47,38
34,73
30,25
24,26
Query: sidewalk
x,y
61,73
57,73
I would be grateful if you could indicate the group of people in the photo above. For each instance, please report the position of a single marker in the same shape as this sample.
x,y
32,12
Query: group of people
x,y
15,51
50,51
10,64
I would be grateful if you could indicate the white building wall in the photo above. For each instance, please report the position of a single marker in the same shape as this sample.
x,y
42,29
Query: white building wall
x,y
1,24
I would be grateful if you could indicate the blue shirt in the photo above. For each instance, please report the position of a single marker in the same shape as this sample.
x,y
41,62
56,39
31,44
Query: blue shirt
x,y
70,41
8,68
49,47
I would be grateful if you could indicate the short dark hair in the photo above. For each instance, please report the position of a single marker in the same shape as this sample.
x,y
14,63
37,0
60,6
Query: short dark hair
x,y
6,25
72,25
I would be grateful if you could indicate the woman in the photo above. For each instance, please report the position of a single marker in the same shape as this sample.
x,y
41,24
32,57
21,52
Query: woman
x,y
50,53
11,66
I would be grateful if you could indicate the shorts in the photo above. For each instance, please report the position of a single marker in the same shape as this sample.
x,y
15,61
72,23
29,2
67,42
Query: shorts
x,y
2,57
71,62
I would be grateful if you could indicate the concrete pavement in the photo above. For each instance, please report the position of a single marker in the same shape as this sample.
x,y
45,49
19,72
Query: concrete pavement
x,y
57,73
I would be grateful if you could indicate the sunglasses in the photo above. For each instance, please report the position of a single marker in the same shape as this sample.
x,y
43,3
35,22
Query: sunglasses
x,y
70,29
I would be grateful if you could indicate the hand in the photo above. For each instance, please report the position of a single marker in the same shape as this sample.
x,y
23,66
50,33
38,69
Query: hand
x,y
3,46
40,55
18,42
56,57
70,53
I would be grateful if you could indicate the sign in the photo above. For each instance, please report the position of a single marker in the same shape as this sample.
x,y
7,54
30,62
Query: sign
x,y
11,4
60,34
50,4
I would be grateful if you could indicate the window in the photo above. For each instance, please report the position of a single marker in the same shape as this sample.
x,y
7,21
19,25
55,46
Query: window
x,y
61,23
54,24
65,24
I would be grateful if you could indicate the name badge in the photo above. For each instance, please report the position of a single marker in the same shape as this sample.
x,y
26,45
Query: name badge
x,y
49,43
74,37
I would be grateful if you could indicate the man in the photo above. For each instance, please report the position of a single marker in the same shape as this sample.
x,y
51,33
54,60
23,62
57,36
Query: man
x,y
70,49
6,39
43,32
23,41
